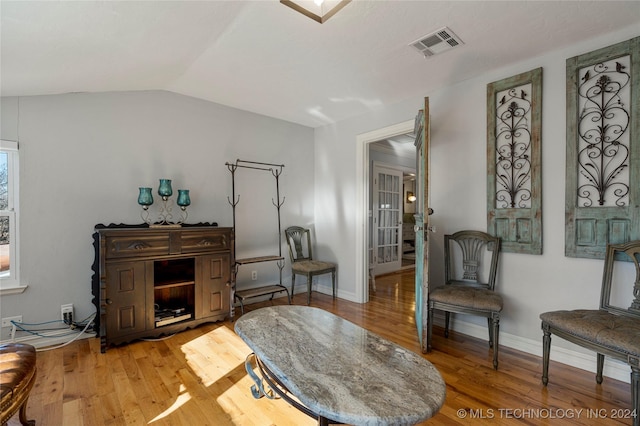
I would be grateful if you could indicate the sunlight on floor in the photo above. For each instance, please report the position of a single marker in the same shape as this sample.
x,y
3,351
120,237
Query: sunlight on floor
x,y
182,399
217,360
215,354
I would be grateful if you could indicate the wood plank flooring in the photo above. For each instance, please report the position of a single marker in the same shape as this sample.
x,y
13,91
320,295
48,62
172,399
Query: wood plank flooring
x,y
197,377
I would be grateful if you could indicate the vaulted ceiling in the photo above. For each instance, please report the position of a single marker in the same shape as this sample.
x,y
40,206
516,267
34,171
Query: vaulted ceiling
x,y
263,57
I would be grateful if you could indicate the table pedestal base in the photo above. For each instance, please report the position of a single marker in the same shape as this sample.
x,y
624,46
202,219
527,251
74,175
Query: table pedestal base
x,y
275,389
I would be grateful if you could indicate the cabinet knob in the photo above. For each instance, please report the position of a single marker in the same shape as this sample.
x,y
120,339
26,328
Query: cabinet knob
x,y
108,301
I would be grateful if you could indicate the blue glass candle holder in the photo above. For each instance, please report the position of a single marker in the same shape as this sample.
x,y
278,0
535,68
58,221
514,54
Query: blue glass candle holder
x,y
183,201
183,198
164,190
145,198
165,214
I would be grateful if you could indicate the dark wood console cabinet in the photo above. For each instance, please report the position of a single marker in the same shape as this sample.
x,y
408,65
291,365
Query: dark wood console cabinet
x,y
153,281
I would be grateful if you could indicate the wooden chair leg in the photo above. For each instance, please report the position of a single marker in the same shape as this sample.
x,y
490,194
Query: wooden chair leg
x,y
23,415
333,283
447,316
490,326
496,333
309,289
635,395
293,284
600,365
546,349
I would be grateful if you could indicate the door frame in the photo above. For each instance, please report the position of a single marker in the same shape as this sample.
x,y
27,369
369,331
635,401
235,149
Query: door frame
x,y
362,199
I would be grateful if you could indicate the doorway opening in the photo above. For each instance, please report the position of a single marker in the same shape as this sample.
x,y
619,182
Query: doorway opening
x,y
364,164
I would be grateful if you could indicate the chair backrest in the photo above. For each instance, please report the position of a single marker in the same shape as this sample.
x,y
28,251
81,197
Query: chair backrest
x,y
620,260
299,242
464,265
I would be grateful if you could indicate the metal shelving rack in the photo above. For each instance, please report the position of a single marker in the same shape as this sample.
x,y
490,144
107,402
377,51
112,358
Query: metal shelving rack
x,y
242,295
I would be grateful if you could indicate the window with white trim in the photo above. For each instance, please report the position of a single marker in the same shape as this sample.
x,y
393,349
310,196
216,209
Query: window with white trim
x,y
9,215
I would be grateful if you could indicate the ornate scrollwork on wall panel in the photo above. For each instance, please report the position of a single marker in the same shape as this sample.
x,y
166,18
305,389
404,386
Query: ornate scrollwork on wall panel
x,y
514,192
602,193
604,101
513,148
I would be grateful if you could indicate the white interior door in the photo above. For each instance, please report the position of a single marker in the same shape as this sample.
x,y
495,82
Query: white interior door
x,y
387,219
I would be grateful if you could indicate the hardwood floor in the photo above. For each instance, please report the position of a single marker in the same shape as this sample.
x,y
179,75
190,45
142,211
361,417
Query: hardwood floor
x,y
197,377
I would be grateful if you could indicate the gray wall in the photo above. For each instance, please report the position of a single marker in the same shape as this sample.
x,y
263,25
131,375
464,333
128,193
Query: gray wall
x,y
530,284
83,157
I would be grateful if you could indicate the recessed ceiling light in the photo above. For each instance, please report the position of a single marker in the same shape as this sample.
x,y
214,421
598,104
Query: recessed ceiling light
x,y
318,10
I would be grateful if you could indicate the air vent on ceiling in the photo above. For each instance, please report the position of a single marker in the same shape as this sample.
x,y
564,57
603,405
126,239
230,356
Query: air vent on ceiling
x,y
437,42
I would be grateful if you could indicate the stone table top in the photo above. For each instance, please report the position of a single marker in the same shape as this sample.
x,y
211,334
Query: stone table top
x,y
341,371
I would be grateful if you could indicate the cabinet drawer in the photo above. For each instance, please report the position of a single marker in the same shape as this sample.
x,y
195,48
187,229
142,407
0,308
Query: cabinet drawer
x,y
136,245
204,241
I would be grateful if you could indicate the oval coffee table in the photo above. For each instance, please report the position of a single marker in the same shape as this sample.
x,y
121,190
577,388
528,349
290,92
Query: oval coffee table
x,y
336,371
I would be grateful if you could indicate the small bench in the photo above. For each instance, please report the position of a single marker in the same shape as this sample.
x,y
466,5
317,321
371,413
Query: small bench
x,y
17,376
609,330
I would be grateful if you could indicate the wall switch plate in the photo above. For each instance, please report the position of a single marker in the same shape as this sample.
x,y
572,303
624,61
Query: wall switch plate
x,y
6,322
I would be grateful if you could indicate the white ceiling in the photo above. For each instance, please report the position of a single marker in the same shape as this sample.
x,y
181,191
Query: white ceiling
x,y
264,57
399,146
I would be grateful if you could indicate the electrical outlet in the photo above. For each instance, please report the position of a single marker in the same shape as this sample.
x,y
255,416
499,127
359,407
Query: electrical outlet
x,y
66,312
254,275
6,322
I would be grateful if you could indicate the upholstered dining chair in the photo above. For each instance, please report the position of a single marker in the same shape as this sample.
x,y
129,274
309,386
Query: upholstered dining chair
x,y
302,262
609,330
471,262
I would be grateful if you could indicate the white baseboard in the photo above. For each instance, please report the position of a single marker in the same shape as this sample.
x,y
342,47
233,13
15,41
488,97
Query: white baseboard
x,y
328,290
50,338
612,368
